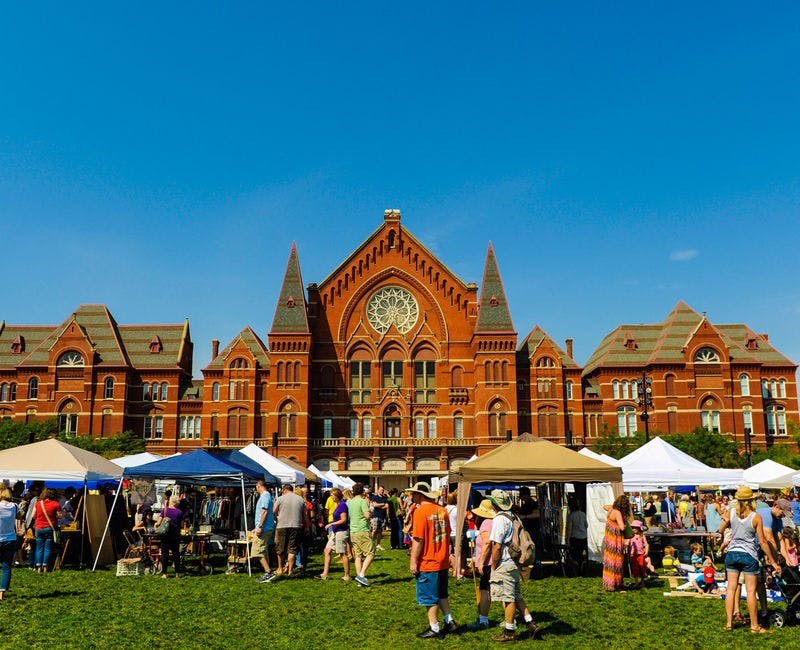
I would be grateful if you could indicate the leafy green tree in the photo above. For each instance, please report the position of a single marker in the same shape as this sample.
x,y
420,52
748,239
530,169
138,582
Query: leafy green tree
x,y
784,453
713,449
15,432
609,442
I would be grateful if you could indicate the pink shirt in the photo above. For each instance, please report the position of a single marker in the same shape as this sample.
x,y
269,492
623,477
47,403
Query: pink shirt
x,y
637,545
486,527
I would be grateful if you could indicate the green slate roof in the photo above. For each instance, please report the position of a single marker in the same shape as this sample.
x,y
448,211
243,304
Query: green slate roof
x,y
253,343
494,315
664,342
535,339
115,345
290,313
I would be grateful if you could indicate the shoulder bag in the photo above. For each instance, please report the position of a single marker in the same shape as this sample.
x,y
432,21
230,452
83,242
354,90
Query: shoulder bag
x,y
162,528
56,531
19,524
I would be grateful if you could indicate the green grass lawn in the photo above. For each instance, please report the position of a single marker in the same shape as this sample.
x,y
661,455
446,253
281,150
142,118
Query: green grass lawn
x,y
80,609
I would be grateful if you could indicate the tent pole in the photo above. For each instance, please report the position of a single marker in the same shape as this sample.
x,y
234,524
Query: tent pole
x,y
463,492
108,523
83,525
244,529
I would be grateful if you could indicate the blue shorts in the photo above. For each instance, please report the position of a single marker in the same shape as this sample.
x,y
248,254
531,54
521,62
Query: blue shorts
x,y
431,587
742,563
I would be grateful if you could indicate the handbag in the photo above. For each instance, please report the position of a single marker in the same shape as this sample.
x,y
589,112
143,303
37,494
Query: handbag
x,y
56,530
19,527
162,528
628,532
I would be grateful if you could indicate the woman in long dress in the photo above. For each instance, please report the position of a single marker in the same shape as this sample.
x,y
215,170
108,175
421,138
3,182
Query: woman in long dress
x,y
614,544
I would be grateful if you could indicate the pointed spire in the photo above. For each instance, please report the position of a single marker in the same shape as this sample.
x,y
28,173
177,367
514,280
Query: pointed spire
x,y
494,315
290,313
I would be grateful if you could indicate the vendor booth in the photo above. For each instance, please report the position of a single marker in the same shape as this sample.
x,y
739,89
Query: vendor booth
x,y
769,475
657,465
530,460
278,468
330,479
199,467
58,464
134,460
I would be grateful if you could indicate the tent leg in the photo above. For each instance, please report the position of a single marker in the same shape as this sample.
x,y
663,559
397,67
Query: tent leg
x,y
83,525
244,529
108,523
461,513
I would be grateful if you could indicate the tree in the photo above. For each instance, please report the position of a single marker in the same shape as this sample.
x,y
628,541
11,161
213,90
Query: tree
x,y
709,447
609,442
783,453
15,432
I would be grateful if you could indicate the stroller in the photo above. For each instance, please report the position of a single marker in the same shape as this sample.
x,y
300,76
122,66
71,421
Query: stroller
x,y
788,584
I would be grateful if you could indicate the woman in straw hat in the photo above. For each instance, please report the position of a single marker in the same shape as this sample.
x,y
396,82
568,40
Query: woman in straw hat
x,y
747,534
482,562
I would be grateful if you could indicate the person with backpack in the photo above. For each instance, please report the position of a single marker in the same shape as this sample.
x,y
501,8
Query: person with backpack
x,y
512,547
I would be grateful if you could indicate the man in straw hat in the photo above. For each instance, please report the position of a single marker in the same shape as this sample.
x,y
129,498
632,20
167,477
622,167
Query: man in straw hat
x,y
505,579
430,560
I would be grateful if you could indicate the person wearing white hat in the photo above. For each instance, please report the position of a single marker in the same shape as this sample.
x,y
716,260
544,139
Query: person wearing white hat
x,y
505,580
430,560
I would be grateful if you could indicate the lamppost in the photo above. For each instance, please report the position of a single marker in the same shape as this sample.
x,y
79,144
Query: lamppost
x,y
748,446
644,398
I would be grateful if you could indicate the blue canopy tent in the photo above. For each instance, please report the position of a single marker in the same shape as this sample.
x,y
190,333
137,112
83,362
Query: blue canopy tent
x,y
203,468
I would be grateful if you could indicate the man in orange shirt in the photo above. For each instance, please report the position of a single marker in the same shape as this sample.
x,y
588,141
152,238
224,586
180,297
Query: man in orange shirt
x,y
430,560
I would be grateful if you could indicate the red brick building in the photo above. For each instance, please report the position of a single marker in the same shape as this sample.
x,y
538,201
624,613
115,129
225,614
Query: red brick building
x,y
725,378
97,377
391,367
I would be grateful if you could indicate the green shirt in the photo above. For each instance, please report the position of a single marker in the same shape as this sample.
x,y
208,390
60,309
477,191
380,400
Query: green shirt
x,y
357,509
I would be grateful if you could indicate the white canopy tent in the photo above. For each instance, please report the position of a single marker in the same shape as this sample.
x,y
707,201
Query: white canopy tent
x,y
657,465
275,466
134,460
331,477
770,475
601,457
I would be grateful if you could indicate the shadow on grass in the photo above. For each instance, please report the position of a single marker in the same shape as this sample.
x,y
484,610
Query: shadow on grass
x,y
56,593
552,625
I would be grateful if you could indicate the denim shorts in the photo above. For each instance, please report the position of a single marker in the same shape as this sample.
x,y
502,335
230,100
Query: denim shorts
x,y
431,587
742,562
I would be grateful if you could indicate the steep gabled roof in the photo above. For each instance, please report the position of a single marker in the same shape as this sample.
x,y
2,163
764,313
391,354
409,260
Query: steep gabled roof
x,y
494,315
100,328
290,312
536,337
32,335
253,343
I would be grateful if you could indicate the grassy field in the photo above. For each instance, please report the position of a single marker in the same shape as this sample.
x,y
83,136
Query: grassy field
x,y
80,609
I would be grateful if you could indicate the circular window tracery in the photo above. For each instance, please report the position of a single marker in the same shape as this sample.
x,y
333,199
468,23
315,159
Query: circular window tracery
x,y
70,359
392,305
706,355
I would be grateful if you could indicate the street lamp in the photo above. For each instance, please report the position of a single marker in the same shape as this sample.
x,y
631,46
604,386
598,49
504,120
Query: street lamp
x,y
644,398
748,446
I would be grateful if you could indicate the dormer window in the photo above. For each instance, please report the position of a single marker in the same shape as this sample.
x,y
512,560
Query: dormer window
x,y
18,345
752,343
493,301
155,345
630,342
70,359
290,301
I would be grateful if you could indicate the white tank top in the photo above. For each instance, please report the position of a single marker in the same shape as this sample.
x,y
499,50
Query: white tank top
x,y
744,537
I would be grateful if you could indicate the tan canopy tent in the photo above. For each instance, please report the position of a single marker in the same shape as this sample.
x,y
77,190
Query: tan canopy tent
x,y
528,459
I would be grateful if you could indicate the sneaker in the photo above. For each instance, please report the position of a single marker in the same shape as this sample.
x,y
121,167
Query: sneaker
x,y
428,633
379,548
362,581
267,577
534,631
478,625
508,636
450,628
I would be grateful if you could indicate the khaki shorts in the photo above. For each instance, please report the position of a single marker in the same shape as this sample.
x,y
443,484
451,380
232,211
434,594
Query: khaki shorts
x,y
261,543
363,544
504,583
337,542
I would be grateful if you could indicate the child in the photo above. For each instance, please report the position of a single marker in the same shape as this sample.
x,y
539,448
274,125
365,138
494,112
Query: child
x,y
789,546
706,582
639,549
697,560
670,562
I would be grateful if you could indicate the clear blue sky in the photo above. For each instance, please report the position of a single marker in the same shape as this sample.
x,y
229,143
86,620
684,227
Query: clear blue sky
x,y
161,159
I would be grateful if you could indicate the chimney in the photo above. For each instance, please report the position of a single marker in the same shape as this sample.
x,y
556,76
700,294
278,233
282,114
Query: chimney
x,y
569,348
214,348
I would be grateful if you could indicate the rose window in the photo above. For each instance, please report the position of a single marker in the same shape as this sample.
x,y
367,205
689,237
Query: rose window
x,y
392,305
